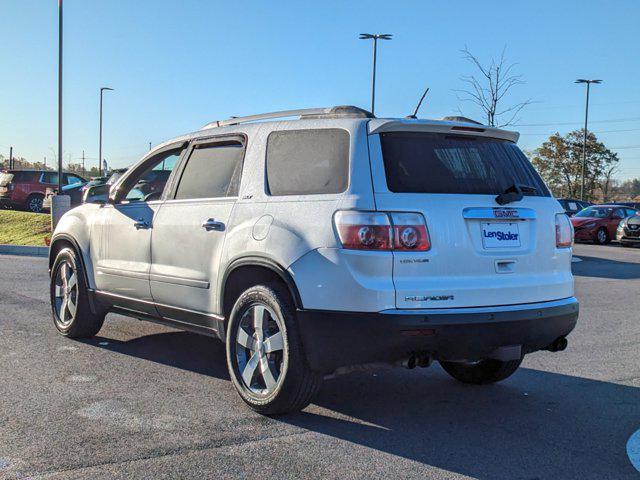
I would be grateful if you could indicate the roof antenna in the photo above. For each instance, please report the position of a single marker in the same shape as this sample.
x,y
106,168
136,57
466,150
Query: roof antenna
x,y
415,112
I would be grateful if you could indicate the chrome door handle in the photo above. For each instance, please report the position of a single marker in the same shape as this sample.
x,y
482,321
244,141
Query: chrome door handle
x,y
211,224
140,223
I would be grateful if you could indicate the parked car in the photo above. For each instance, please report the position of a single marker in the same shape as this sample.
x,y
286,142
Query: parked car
x,y
335,240
572,206
628,232
74,191
26,188
100,194
599,223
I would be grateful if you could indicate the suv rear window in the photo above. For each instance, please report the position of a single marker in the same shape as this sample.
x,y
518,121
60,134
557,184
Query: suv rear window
x,y
417,162
308,162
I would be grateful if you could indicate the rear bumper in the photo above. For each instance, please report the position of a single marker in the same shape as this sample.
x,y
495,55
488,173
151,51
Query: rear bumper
x,y
336,339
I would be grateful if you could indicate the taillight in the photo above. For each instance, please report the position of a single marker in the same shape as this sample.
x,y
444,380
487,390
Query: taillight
x,y
363,230
381,231
410,232
564,231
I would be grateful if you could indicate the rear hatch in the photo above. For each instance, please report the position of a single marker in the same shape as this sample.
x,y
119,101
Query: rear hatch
x,y
482,253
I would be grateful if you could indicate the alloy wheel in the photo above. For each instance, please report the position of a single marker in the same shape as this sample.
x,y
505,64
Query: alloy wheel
x,y
602,236
66,293
35,205
260,350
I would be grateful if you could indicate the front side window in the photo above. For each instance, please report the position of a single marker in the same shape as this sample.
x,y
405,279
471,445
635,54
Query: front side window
x,y
307,162
212,171
148,183
420,162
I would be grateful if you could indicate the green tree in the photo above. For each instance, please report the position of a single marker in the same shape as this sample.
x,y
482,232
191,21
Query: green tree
x,y
559,161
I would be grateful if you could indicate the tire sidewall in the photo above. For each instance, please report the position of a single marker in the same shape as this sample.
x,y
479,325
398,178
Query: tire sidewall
x,y
606,236
66,254
265,296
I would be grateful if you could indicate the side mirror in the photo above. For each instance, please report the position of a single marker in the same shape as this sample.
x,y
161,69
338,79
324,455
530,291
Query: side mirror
x,y
96,194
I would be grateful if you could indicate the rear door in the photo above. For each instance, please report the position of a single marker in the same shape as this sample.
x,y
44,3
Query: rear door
x,y
482,253
190,228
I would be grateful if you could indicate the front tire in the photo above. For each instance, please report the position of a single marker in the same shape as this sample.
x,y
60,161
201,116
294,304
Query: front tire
x,y
72,314
602,236
482,372
265,359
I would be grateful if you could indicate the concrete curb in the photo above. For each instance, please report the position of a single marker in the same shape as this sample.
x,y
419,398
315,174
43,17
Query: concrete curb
x,y
28,250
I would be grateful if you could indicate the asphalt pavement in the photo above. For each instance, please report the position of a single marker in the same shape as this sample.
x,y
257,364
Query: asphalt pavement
x,y
145,401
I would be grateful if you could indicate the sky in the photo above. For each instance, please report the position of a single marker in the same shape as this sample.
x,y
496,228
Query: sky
x,y
176,65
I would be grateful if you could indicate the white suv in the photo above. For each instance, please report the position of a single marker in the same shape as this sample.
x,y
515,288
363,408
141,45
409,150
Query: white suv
x,y
331,241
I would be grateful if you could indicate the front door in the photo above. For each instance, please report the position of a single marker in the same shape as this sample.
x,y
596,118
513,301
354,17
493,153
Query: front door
x,y
190,228
122,240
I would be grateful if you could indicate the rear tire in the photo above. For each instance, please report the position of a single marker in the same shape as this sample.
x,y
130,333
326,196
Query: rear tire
x,y
265,359
34,203
483,372
72,314
602,236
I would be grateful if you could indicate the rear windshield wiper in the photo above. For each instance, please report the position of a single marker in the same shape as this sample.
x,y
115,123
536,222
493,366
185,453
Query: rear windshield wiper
x,y
514,193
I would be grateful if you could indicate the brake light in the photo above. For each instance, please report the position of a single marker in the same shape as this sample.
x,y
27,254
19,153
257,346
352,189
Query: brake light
x,y
410,232
564,231
363,230
382,231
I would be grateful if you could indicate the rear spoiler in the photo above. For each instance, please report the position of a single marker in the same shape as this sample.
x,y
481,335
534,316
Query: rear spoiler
x,y
405,125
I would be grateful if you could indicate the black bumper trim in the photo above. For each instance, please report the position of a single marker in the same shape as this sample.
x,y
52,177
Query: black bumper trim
x,y
335,339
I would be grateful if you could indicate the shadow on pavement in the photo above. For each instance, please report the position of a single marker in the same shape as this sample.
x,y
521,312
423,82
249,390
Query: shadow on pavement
x,y
604,268
184,350
535,425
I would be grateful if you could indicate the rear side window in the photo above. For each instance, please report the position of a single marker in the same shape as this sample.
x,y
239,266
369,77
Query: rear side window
x,y
307,162
212,171
417,162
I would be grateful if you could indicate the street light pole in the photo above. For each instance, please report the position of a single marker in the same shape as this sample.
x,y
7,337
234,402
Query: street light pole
x,y
60,97
102,89
375,37
584,140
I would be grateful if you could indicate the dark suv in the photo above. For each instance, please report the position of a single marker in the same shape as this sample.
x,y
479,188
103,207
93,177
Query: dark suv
x,y
26,188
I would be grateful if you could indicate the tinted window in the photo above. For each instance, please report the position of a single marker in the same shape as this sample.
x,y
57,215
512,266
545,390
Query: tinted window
x,y
148,184
50,177
418,162
19,176
630,212
305,162
212,171
618,213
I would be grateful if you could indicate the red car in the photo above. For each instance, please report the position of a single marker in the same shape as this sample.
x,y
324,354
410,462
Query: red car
x,y
26,188
599,223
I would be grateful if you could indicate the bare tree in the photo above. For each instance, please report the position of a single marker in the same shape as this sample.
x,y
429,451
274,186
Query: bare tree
x,y
488,90
607,182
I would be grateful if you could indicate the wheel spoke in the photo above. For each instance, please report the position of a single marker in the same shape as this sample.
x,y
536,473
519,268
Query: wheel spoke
x,y
274,343
250,368
63,309
73,280
58,291
267,375
71,306
259,320
63,273
245,340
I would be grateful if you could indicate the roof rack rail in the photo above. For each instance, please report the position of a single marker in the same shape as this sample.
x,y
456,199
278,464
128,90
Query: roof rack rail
x,y
344,111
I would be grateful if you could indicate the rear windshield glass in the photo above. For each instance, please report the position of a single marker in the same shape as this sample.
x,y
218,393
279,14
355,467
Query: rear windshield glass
x,y
417,162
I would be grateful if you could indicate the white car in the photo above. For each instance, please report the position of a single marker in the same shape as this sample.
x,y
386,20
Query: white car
x,y
328,241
